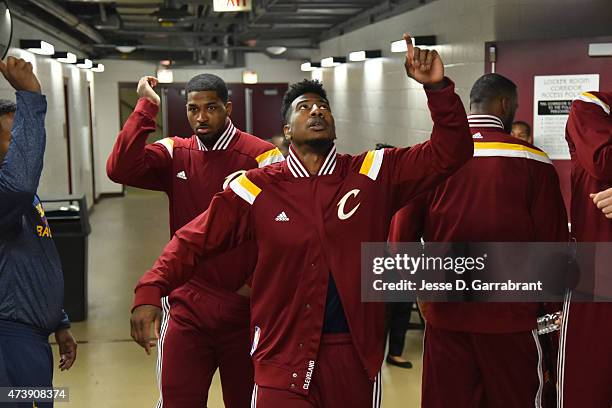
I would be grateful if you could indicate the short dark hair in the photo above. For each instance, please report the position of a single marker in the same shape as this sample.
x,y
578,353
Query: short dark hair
x,y
7,106
489,87
208,82
525,125
298,89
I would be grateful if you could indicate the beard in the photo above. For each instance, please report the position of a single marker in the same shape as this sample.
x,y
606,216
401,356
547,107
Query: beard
x,y
320,145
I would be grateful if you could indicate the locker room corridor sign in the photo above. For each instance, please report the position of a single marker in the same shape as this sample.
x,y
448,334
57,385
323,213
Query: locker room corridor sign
x,y
224,6
552,99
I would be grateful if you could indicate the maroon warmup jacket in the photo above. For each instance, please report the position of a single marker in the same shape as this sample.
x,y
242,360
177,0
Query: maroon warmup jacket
x,y
306,227
509,192
589,135
190,175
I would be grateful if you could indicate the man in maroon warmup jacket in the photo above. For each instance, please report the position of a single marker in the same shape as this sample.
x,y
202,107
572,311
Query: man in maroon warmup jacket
x,y
315,344
206,321
487,355
585,350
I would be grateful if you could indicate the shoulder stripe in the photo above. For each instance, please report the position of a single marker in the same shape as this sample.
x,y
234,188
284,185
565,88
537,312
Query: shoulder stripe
x,y
269,157
168,143
372,163
245,188
500,149
589,97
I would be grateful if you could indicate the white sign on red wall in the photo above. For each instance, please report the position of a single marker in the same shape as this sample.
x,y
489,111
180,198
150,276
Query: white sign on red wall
x,y
223,6
552,99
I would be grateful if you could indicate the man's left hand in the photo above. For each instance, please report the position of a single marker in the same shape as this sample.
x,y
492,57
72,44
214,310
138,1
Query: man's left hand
x,y
67,348
424,66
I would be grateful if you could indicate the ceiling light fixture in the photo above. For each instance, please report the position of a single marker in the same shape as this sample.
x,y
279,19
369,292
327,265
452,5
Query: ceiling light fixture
x,y
125,49
332,61
418,41
356,56
37,47
65,57
84,63
309,66
276,50
98,68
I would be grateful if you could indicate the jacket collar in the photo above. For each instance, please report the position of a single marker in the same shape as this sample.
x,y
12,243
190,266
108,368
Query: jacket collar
x,y
297,168
224,140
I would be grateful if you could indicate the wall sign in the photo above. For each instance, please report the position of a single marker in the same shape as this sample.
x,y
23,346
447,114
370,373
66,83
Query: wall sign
x,y
224,6
552,99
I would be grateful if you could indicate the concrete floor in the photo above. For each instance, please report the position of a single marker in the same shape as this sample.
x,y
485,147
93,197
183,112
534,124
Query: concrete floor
x,y
111,371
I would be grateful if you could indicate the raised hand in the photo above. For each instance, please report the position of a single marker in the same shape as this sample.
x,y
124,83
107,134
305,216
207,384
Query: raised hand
x,y
424,66
145,89
18,73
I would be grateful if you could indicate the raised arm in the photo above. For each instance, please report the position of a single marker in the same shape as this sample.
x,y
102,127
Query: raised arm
x,y
22,165
132,161
421,167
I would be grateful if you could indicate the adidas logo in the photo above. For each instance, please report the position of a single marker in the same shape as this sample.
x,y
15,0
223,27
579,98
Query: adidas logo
x,y
282,217
181,175
477,136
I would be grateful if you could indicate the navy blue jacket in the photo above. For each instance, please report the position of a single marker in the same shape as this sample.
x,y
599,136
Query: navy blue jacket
x,y
31,280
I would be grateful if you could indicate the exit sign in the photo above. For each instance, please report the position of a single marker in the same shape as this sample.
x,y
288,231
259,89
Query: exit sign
x,y
221,6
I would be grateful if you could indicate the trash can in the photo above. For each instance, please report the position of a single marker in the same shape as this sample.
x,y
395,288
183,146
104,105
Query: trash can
x,y
69,221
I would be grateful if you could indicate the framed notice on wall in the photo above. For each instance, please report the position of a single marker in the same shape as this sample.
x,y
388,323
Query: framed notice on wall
x,y
552,99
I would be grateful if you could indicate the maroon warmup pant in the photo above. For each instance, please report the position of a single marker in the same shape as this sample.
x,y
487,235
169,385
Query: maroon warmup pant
x,y
203,330
585,356
339,381
471,370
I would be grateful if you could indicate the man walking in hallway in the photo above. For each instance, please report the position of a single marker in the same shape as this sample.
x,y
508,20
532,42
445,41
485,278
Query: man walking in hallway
x,y
31,279
206,321
315,344
487,354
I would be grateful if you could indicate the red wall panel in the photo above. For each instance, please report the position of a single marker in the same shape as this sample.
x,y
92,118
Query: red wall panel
x,y
522,60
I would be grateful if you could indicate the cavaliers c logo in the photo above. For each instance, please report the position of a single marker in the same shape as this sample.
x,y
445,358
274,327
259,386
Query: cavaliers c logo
x,y
341,213
231,177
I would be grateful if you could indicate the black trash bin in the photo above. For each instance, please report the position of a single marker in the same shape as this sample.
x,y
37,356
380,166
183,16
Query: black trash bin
x,y
69,221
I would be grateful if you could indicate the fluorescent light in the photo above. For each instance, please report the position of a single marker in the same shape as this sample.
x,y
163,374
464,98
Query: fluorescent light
x,y
249,77
98,68
364,55
38,47
309,66
425,40
418,41
332,61
84,63
276,50
65,57
400,45
600,50
165,76
126,49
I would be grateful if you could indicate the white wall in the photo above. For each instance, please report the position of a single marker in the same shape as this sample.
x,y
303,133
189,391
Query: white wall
x,y
107,96
106,119
51,74
375,101
268,70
